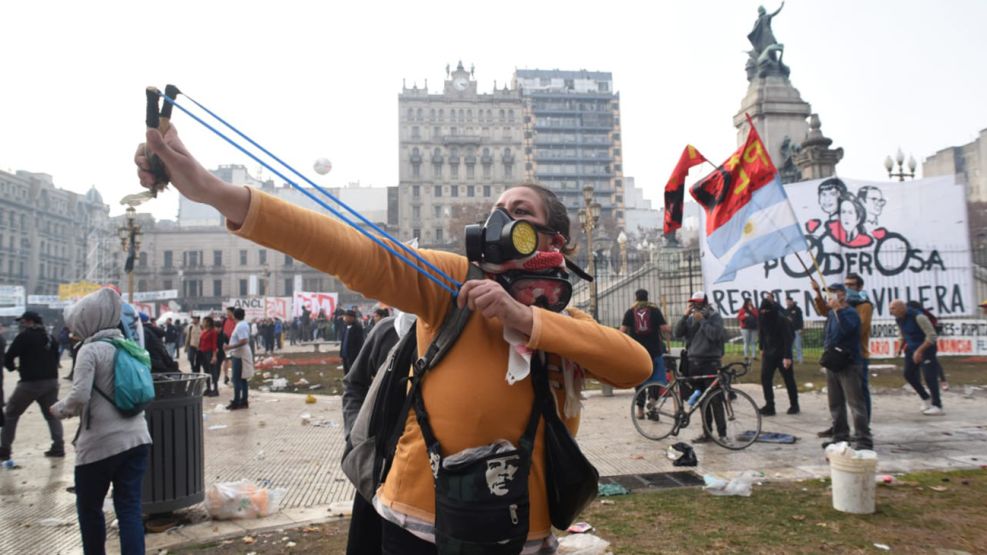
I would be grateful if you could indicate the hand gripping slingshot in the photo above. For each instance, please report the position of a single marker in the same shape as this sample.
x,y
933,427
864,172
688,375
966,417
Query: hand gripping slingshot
x,y
162,120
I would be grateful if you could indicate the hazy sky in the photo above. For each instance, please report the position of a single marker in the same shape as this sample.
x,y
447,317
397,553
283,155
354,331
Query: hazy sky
x,y
311,79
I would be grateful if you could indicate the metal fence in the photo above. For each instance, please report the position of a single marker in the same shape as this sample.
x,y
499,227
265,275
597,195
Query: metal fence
x,y
670,275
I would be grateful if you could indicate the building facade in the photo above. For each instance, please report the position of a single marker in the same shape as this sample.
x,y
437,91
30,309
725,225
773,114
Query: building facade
x,y
197,256
574,140
457,150
968,162
50,236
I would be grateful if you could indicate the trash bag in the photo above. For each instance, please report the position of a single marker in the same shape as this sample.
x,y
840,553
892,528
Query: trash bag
x,y
243,499
683,454
739,486
583,544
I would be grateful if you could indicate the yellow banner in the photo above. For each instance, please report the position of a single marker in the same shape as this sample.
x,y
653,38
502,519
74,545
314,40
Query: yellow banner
x,y
79,289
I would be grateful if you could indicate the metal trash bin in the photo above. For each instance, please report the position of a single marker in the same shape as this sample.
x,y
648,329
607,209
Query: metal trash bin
x,y
175,474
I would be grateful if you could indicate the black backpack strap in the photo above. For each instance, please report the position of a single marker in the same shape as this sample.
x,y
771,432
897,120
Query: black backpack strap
x,y
450,330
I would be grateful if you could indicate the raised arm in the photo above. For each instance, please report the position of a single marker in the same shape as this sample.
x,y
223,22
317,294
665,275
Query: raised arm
x,y
608,354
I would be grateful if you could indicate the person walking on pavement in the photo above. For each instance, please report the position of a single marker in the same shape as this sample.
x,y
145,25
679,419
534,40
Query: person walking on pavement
x,y
34,354
192,335
110,448
857,298
228,324
646,324
3,349
238,349
794,314
702,329
207,357
918,342
843,385
775,337
747,318
171,338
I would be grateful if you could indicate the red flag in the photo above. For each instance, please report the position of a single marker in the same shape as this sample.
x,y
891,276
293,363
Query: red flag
x,y
726,190
675,188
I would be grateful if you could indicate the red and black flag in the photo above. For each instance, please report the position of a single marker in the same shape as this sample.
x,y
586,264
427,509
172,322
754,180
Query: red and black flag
x,y
675,188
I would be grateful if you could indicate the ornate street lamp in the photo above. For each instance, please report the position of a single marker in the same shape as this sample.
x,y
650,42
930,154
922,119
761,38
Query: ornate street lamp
x,y
130,242
622,241
889,165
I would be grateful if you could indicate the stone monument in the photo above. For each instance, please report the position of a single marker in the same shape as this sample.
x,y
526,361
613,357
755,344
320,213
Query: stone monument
x,y
774,104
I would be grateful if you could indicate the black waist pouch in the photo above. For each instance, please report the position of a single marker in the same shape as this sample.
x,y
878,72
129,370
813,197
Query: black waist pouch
x,y
481,506
481,494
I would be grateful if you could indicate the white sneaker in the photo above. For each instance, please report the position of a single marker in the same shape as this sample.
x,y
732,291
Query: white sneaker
x,y
925,406
933,411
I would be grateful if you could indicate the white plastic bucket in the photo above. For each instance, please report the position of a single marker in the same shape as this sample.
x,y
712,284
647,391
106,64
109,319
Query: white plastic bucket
x,y
854,483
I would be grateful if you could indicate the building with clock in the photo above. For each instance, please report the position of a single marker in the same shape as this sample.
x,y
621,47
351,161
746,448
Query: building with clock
x,y
458,149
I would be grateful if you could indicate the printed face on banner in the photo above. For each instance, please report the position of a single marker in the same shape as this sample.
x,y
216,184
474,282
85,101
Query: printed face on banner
x,y
907,240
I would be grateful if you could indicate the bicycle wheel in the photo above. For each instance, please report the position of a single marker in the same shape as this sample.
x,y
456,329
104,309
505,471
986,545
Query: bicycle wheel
x,y
661,408
732,421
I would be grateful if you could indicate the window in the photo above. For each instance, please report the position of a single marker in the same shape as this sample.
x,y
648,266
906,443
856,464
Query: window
x,y
243,260
142,260
437,210
416,191
437,191
508,170
470,191
416,233
217,258
262,257
455,190
415,132
416,213
438,235
486,190
470,171
217,288
262,287
243,287
288,260
289,287
166,284
416,171
168,256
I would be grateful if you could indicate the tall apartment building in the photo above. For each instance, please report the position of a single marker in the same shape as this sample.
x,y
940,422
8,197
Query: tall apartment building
x,y
968,162
458,149
573,138
50,236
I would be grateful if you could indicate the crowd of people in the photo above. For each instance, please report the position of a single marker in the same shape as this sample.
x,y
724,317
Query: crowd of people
x,y
772,333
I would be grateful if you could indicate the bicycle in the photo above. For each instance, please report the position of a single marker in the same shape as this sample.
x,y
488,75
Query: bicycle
x,y
730,417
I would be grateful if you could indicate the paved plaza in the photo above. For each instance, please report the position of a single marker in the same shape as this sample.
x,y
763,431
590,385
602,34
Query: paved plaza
x,y
269,442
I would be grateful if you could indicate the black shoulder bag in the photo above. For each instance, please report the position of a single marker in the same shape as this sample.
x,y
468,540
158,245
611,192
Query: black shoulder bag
x,y
570,479
836,358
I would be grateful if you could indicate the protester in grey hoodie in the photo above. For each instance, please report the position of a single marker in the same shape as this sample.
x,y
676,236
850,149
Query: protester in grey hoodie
x,y
110,447
702,328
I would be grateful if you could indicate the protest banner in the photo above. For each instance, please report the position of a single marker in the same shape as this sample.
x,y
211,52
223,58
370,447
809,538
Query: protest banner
x,y
314,302
903,238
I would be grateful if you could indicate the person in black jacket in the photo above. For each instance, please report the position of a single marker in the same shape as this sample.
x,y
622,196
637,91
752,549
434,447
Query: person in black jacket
x,y
3,349
352,340
775,338
365,523
36,354
161,361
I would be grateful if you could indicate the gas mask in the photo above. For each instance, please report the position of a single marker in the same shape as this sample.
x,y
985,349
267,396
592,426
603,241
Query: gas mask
x,y
508,250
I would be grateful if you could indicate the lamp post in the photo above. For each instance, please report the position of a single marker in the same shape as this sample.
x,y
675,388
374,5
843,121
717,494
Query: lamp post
x,y
589,217
889,165
622,241
131,244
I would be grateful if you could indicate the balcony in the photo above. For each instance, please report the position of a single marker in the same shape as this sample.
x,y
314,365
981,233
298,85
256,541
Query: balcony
x,y
462,139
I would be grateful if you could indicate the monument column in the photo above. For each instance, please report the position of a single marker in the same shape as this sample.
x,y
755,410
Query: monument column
x,y
775,106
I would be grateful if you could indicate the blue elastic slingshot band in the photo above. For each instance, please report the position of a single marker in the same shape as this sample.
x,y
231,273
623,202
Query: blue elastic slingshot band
x,y
320,202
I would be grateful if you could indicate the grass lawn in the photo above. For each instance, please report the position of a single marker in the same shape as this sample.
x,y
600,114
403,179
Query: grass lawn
x,y
920,513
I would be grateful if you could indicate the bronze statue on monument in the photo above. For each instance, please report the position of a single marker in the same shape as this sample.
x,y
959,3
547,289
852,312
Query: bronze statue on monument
x,y
765,58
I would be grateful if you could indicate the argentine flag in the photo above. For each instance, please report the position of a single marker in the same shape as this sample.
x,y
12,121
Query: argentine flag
x,y
763,229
